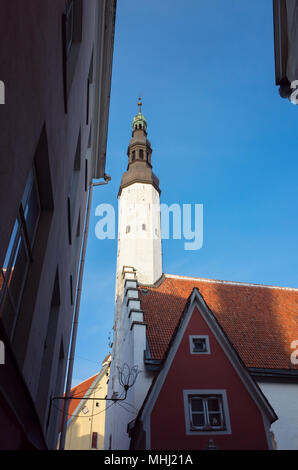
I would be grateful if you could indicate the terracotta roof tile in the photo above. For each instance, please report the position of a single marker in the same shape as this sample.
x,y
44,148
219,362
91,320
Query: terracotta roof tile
x,y
80,390
260,321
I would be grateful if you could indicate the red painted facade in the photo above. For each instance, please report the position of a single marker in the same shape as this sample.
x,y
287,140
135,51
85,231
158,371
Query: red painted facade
x,y
204,371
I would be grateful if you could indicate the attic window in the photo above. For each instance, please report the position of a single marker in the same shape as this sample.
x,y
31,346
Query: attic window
x,y
85,410
199,344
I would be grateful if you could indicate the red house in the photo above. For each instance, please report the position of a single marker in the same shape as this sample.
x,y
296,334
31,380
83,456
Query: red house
x,y
203,394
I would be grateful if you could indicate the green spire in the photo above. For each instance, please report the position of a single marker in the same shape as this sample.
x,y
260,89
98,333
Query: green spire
x,y
139,119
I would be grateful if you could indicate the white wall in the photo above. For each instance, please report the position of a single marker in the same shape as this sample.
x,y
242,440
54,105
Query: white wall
x,y
283,398
128,347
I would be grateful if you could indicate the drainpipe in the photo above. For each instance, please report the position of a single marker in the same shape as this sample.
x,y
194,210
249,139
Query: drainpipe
x,y
107,178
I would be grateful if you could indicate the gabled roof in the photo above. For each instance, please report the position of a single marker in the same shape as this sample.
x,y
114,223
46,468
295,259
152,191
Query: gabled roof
x,y
260,321
195,299
80,390
85,388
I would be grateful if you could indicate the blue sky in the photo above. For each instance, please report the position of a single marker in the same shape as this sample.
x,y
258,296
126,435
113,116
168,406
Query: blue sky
x,y
221,136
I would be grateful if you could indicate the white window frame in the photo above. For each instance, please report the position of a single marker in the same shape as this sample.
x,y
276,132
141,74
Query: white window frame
x,y
191,345
190,431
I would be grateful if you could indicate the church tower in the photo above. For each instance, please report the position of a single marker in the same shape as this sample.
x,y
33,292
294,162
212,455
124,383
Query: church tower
x,y
139,237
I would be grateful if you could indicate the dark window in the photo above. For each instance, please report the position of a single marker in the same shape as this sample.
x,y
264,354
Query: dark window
x,y
133,155
69,24
141,154
71,289
206,412
127,228
89,91
74,183
48,350
19,253
86,174
199,345
94,440
72,37
143,226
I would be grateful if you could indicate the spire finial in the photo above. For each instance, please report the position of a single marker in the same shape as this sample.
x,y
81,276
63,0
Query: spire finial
x,y
140,105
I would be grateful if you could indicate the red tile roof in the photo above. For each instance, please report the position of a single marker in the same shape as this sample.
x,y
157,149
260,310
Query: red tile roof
x,y
260,321
80,390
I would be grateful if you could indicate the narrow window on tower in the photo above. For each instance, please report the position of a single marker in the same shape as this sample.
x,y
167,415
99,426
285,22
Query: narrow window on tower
x,y
133,155
141,154
143,226
127,228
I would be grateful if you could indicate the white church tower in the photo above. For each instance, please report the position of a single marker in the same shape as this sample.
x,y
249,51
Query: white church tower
x,y
139,261
139,237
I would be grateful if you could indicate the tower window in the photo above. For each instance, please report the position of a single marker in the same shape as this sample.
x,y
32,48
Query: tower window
x,y
141,154
147,156
133,155
127,228
143,226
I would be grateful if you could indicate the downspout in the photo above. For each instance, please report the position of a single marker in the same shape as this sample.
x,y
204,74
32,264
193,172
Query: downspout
x,y
65,409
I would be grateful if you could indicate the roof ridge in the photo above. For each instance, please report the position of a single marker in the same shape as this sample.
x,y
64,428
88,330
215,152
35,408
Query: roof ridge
x,y
86,380
235,283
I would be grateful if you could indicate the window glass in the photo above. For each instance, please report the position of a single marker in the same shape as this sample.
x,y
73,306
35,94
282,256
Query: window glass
x,y
206,412
19,254
199,344
10,246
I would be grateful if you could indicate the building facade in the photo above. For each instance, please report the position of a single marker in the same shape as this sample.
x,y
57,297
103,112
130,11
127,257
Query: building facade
x,y
86,414
56,62
213,358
